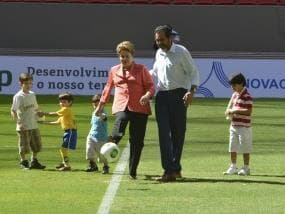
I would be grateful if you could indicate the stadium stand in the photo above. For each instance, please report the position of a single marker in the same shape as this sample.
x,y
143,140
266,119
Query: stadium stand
x,y
269,2
161,2
182,2
117,1
246,2
139,1
166,2
207,2
225,2
86,1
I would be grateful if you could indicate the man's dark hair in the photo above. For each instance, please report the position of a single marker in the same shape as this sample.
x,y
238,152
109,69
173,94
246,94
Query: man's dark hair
x,y
167,29
238,79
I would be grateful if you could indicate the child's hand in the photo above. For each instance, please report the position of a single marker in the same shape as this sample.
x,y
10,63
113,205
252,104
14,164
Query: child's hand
x,y
40,113
227,112
103,116
21,126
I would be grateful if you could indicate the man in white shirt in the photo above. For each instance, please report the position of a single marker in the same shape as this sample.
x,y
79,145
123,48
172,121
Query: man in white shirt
x,y
177,79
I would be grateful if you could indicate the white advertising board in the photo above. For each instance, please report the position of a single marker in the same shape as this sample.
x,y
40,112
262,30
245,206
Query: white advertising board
x,y
88,75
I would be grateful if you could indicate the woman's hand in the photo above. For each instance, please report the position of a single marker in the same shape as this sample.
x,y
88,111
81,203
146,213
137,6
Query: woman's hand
x,y
99,109
145,99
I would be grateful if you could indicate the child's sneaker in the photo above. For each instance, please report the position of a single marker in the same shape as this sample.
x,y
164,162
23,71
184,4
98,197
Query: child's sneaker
x,y
92,168
65,168
35,164
232,170
25,164
59,166
244,171
105,169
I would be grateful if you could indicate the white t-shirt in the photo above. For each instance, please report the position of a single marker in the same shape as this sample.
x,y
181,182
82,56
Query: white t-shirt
x,y
25,105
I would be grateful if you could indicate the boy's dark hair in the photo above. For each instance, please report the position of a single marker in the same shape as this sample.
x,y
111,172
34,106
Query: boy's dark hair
x,y
66,96
167,29
238,79
25,77
96,98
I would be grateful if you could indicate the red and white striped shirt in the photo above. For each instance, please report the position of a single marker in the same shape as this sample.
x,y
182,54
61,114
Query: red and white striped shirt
x,y
242,101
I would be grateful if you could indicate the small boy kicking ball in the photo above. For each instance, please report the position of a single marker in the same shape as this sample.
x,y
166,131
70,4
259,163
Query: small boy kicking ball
x,y
96,138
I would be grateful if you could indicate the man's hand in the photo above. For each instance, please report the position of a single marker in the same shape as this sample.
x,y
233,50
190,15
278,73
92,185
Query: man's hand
x,y
188,97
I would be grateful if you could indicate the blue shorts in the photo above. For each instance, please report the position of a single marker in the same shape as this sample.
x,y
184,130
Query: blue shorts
x,y
69,139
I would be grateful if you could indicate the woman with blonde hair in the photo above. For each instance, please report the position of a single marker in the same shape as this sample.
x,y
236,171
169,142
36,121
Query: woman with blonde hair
x,y
134,88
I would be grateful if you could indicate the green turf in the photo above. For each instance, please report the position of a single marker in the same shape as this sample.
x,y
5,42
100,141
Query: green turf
x,y
204,188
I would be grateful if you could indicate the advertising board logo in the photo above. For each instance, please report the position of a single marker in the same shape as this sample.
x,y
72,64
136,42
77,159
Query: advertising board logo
x,y
217,73
5,78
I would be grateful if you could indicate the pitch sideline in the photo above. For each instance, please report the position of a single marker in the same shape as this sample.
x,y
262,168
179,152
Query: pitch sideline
x,y
114,184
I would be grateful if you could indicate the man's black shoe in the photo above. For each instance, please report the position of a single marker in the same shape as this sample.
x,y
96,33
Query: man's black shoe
x,y
167,178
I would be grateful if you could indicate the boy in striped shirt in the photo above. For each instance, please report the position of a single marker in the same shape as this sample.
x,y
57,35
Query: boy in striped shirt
x,y
239,111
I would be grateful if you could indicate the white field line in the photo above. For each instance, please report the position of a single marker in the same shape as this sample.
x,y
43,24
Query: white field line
x,y
114,184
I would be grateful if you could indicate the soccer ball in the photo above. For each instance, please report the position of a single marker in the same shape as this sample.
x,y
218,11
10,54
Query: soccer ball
x,y
110,151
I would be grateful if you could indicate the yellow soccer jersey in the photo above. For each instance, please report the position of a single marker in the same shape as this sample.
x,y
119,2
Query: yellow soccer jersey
x,y
66,118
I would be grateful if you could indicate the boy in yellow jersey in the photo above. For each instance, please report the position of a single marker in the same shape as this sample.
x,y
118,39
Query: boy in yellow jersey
x,y
67,122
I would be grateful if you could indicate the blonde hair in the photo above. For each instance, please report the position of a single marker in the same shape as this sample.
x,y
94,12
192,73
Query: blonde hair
x,y
126,46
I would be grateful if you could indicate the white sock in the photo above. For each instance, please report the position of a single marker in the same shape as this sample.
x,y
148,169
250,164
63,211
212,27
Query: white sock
x,y
234,165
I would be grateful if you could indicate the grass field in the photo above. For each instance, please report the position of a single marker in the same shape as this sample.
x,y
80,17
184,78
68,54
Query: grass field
x,y
204,188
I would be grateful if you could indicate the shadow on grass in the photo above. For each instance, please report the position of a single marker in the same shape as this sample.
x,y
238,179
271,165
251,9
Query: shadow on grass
x,y
72,170
217,180
271,176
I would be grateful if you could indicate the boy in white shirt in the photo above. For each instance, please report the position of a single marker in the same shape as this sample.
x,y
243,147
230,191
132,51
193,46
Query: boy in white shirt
x,y
24,112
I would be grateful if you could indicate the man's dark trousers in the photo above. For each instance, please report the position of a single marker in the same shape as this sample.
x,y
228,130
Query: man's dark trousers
x,y
171,119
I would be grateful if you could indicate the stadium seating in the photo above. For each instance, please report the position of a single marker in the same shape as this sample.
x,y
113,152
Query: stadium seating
x,y
117,1
182,2
139,1
223,1
246,2
202,1
95,1
269,2
162,2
